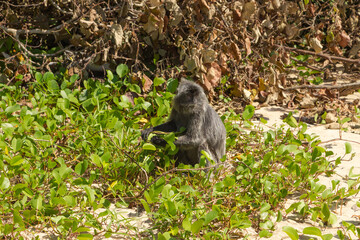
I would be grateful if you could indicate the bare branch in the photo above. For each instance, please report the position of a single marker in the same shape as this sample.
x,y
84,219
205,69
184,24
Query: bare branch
x,y
60,9
354,86
323,55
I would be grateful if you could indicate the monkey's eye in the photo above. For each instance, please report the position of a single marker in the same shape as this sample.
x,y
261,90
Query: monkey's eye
x,y
192,91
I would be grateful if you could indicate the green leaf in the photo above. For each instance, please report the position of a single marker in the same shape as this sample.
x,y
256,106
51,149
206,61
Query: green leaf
x,y
16,144
12,109
48,76
158,81
172,84
96,160
17,218
4,182
135,88
196,226
265,207
38,77
36,203
70,201
248,112
53,85
291,232
122,70
146,205
312,231
73,78
291,121
332,219
229,181
326,211
17,160
149,146
328,236
110,75
82,229
85,236
186,224
8,128
170,207
90,193
186,188
210,216
265,234
348,148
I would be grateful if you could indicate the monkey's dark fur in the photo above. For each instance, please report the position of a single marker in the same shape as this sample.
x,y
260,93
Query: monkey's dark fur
x,y
204,129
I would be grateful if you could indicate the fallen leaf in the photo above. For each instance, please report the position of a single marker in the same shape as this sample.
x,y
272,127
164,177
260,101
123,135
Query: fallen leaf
x,y
316,45
248,10
117,34
344,39
146,83
262,86
235,51
205,83
275,3
247,46
208,55
291,30
236,15
203,4
335,49
213,74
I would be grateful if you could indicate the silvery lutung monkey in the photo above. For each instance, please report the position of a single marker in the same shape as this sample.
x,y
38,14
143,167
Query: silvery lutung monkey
x,y
204,129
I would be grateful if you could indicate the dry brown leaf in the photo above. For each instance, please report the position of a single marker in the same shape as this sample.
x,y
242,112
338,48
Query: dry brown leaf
x,y
344,39
291,30
117,34
236,15
208,55
146,83
205,83
247,46
316,45
155,3
234,51
335,49
203,4
248,10
262,86
276,3
223,64
213,74
152,24
176,13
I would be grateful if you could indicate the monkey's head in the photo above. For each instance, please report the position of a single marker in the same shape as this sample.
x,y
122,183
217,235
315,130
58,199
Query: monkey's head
x,y
190,97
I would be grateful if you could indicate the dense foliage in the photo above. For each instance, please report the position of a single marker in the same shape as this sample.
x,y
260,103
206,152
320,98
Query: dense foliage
x,y
70,154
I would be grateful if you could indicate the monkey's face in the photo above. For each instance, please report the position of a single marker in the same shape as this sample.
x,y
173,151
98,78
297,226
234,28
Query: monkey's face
x,y
189,96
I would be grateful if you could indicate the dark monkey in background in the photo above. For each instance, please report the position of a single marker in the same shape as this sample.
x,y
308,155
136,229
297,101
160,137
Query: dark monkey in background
x,y
204,129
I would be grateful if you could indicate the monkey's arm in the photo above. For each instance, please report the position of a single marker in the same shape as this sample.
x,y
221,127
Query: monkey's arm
x,y
166,127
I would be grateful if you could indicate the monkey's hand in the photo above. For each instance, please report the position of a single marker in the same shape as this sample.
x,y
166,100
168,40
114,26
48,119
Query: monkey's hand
x,y
145,133
158,141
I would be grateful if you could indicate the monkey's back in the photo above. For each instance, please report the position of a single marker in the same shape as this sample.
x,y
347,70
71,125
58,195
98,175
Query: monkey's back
x,y
215,133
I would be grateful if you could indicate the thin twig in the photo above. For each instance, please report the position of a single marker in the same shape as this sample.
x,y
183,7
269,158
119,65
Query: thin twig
x,y
323,55
126,154
176,170
339,139
306,65
354,86
23,5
